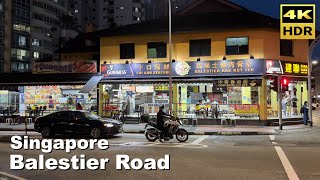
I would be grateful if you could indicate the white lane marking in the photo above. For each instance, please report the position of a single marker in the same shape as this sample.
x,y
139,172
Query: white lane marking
x,y
200,139
292,175
274,143
157,144
272,137
11,176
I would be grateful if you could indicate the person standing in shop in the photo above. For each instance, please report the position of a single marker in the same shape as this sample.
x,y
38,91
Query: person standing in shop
x,y
284,105
51,103
289,106
305,113
79,107
294,101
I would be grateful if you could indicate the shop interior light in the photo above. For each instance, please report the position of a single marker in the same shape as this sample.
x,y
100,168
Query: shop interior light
x,y
251,57
198,59
314,62
224,58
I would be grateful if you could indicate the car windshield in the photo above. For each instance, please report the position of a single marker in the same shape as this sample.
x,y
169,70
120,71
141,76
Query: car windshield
x,y
91,116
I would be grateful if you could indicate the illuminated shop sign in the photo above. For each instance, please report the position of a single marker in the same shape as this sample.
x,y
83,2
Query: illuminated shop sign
x,y
238,83
184,69
283,67
64,67
274,67
295,68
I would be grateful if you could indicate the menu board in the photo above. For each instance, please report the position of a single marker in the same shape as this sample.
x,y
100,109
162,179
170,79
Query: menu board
x,y
41,94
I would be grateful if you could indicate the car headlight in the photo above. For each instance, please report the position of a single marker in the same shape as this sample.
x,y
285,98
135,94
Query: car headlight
x,y
109,125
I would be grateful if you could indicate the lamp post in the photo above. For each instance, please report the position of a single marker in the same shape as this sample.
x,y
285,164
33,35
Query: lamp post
x,y
170,62
311,48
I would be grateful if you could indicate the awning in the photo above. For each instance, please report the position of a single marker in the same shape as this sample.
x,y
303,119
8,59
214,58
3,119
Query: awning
x,y
91,84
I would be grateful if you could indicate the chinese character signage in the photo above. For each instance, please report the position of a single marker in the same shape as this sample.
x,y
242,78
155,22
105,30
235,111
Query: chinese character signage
x,y
64,67
237,82
185,69
295,68
284,67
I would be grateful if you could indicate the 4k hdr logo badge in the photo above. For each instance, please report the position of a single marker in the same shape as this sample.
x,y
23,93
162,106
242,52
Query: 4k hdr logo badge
x,y
297,21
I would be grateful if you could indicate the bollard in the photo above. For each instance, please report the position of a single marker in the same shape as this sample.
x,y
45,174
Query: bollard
x,y
25,125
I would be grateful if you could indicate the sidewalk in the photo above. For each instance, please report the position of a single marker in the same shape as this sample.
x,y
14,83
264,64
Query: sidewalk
x,y
198,130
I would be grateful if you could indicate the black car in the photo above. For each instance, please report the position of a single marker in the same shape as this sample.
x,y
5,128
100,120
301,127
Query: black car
x,y
76,122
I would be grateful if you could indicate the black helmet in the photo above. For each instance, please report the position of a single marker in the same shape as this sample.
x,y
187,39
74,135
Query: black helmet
x,y
162,107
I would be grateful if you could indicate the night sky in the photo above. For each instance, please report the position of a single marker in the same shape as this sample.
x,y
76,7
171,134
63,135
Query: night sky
x,y
272,8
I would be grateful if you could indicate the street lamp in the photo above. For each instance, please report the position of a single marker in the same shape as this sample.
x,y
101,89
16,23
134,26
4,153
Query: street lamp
x,y
170,62
311,48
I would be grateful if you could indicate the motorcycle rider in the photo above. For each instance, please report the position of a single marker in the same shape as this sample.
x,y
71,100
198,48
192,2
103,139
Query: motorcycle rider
x,y
160,123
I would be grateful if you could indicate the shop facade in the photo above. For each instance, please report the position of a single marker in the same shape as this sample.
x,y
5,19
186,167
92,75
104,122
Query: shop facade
x,y
201,89
297,93
52,86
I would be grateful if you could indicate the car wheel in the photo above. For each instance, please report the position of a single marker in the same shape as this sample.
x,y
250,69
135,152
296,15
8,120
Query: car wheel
x,y
96,133
46,132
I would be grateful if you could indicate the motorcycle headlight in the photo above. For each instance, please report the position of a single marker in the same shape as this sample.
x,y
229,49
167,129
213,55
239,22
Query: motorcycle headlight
x,y
109,125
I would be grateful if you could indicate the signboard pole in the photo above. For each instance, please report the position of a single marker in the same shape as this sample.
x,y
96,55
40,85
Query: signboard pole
x,y
170,61
279,102
311,48
309,87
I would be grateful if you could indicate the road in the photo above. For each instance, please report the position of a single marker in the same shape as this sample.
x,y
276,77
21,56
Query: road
x,y
291,154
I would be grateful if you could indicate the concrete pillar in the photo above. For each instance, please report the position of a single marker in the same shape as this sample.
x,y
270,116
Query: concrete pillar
x,y
263,100
175,99
184,94
101,100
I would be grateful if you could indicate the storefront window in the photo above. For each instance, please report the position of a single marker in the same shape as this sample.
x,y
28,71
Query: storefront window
x,y
60,97
202,100
291,101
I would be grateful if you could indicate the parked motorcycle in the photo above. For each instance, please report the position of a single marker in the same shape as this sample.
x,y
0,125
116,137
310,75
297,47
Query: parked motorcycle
x,y
152,132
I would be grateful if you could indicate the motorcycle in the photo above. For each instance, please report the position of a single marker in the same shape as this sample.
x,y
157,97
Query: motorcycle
x,y
173,126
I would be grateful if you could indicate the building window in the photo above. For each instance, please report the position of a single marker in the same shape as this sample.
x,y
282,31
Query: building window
x,y
22,54
127,51
157,50
235,46
286,48
36,55
200,47
35,42
22,41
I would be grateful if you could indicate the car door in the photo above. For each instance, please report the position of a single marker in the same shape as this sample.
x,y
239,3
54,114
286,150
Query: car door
x,y
79,124
61,122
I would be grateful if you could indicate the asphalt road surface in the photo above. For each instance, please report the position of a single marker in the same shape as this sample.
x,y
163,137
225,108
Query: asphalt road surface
x,y
290,155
